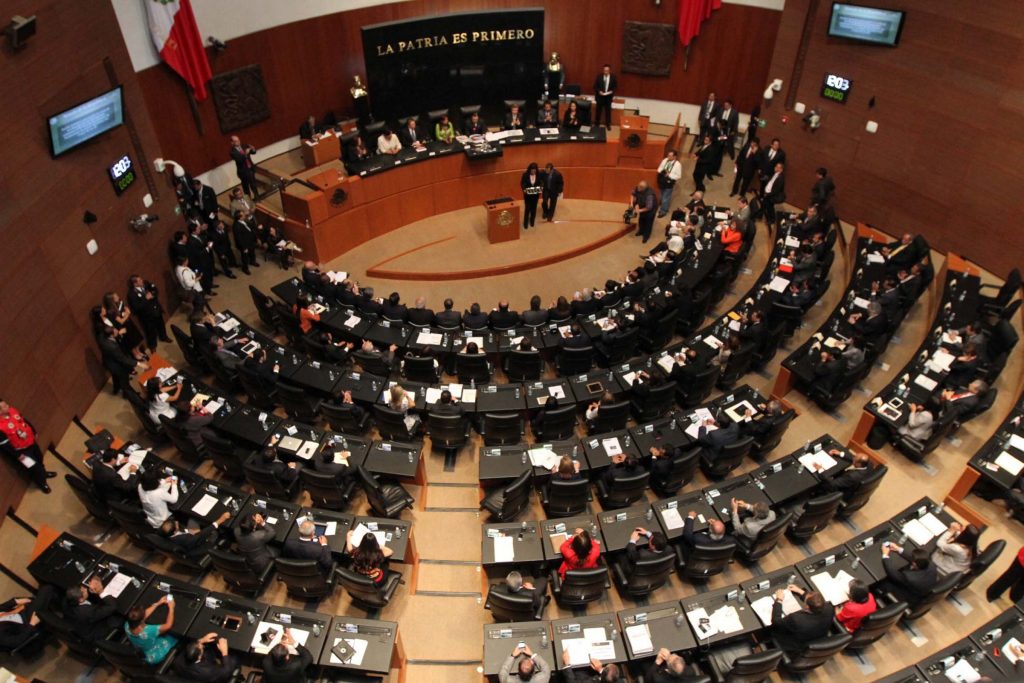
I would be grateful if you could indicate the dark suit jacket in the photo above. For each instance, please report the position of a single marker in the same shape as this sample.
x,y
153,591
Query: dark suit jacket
x,y
613,84
778,193
284,474
828,374
503,319
554,183
714,441
748,166
420,316
145,309
872,327
638,551
331,467
709,112
848,481
910,584
822,189
769,163
542,123
535,317
961,372
195,546
255,546
307,131
292,670
212,668
395,312
448,318
240,155
585,306
109,484
114,358
308,550
730,120
474,321
89,619
205,203
519,124
795,631
244,234
693,538
405,135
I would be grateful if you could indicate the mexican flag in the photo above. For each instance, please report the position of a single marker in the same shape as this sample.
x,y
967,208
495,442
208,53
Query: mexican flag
x,y
176,37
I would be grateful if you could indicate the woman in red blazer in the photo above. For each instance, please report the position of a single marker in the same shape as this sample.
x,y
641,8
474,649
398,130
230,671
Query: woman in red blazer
x,y
579,552
860,605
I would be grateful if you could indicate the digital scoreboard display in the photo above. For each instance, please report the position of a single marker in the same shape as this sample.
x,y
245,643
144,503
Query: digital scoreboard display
x,y
122,174
836,88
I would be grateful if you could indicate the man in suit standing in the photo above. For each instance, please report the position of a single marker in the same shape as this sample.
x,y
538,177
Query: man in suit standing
x,y
244,233
773,155
245,167
142,299
747,166
729,121
554,185
218,235
409,135
644,205
204,202
307,547
703,166
118,363
709,112
532,186
604,90
823,187
773,192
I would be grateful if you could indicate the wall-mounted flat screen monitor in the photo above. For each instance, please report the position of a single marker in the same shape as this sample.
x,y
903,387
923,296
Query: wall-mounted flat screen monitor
x,y
83,122
866,24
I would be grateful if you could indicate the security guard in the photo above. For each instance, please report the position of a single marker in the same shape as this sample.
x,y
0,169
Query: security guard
x,y
18,439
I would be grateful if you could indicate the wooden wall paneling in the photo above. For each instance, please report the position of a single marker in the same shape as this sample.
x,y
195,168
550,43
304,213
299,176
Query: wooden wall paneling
x,y
416,204
583,183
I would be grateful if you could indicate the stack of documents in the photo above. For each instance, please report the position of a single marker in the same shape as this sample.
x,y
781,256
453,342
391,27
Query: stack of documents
x,y
612,446
639,636
543,457
504,549
594,643
817,461
361,530
835,589
763,606
672,518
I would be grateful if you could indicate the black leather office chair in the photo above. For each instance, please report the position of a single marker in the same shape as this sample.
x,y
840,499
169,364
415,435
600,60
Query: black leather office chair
x,y
764,445
237,573
684,466
505,606
420,369
980,564
916,450
938,593
327,490
556,424
259,395
875,625
265,309
79,646
141,409
610,417
391,424
88,497
472,367
501,429
703,561
646,576
790,316
574,361
386,500
751,551
620,349
737,366
622,492
506,503
188,348
737,662
694,318
817,514
180,438
658,402
371,132
580,587
691,394
857,498
562,498
523,366
731,457
657,338
303,578
341,417
265,483
816,653
373,363
193,564
769,347
993,305
450,432
227,457
132,520
299,405
364,592
124,657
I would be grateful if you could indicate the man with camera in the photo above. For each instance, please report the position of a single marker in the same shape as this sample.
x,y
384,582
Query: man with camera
x,y
643,204
669,173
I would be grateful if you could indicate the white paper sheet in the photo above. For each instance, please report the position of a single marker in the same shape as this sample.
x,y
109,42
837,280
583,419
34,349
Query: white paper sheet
x,y
639,636
713,341
556,390
935,525
693,430
352,321
925,381
1009,463
792,242
672,518
504,549
917,532
595,634
835,589
602,650
813,461
942,359
116,585
469,395
962,672
428,338
361,530
763,606
204,505
299,635
1007,650
738,411
611,446
667,363
860,302
703,632
629,377
358,646
578,649
778,284
213,406
726,619
1017,442
433,394
875,257
543,457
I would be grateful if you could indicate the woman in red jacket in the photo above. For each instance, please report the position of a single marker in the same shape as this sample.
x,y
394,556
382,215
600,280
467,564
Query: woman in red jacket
x,y
860,605
732,238
579,552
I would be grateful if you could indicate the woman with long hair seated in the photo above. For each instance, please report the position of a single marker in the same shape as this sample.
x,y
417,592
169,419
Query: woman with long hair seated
x,y
956,549
861,604
579,552
444,131
151,639
306,316
567,469
162,399
368,558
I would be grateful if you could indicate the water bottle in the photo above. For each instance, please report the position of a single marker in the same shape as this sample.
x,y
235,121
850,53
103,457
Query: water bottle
x,y
316,628
524,459
615,633
544,638
938,508
523,526
250,617
680,619
410,456
472,383
649,515
791,580
856,562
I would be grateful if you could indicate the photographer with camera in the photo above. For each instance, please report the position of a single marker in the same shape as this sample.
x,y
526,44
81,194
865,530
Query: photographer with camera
x,y
669,173
643,203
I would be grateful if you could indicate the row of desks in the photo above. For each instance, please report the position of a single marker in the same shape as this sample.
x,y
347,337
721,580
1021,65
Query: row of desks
x,y
743,609
66,561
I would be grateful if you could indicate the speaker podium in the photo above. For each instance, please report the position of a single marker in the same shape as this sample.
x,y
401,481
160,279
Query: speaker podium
x,y
502,220
632,140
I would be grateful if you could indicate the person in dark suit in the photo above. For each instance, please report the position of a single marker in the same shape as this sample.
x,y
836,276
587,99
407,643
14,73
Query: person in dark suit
x,y
773,191
623,466
267,459
913,582
420,314
446,405
962,401
334,460
514,119
306,546
584,303
598,672
143,302
204,664
244,232
823,188
409,135
516,584
474,318
245,167
118,363
204,202
703,166
218,237
475,125
761,424
773,155
19,621
709,113
794,631
668,667
547,117
309,129
715,440
87,613
193,543
748,165
891,298
904,252
106,480
715,535
281,666
532,184
448,317
393,308
553,186
253,536
571,119
728,123
850,479
756,330
872,325
963,370
502,318
536,315
574,338
806,224
829,369
652,548
605,86
659,462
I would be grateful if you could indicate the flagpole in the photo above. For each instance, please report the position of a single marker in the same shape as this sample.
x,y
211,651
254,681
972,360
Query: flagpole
x,y
686,58
194,106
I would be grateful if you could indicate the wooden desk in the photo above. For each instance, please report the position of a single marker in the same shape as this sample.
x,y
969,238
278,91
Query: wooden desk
x,y
327,148
502,222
